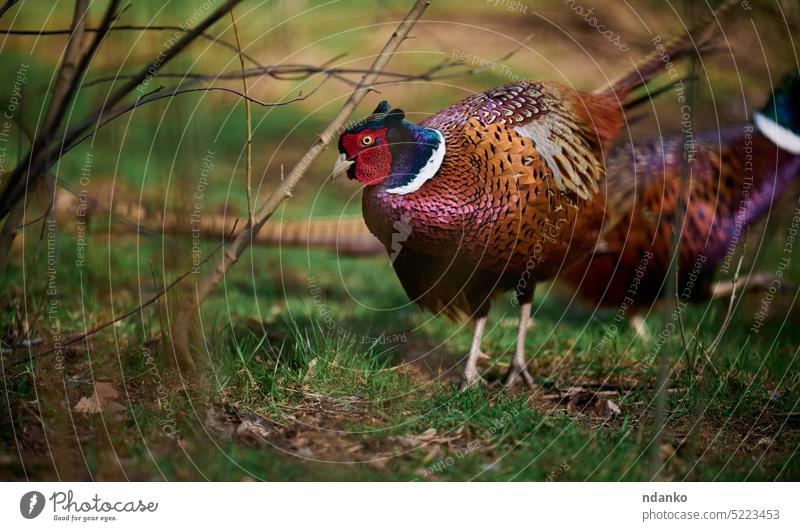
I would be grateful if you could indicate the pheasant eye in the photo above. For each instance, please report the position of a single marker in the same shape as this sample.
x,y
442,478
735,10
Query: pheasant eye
x,y
366,140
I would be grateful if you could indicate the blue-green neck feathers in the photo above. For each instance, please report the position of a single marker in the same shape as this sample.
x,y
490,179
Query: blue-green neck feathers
x,y
399,155
783,107
779,120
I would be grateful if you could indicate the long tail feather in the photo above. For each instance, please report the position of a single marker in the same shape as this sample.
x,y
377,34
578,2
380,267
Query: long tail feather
x,y
677,48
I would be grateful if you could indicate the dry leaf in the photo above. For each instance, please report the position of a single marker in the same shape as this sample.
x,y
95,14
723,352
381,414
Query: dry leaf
x,y
610,409
430,433
103,398
422,439
378,463
305,452
252,432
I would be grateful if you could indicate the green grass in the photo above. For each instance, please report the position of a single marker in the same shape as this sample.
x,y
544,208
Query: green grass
x,y
347,405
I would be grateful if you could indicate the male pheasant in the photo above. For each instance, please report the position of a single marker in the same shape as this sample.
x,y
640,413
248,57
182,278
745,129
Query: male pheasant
x,y
495,193
736,175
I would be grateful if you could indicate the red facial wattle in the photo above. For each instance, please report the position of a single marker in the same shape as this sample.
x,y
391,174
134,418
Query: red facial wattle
x,y
371,153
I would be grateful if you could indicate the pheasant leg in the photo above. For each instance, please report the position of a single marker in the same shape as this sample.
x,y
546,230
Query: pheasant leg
x,y
639,326
519,367
471,376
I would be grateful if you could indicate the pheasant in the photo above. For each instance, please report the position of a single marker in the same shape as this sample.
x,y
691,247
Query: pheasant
x,y
736,175
495,193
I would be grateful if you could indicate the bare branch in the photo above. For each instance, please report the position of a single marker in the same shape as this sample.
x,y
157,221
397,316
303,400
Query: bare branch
x,y
249,162
180,327
160,94
127,27
296,72
62,92
35,164
67,74
8,5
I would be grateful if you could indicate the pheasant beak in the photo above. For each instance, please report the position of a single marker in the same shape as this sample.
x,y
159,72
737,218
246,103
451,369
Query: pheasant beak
x,y
341,166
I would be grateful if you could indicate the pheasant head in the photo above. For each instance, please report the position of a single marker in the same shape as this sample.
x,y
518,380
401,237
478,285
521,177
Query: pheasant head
x,y
779,120
384,149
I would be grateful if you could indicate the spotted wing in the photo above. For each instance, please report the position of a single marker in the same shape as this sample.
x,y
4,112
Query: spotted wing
x,y
525,131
